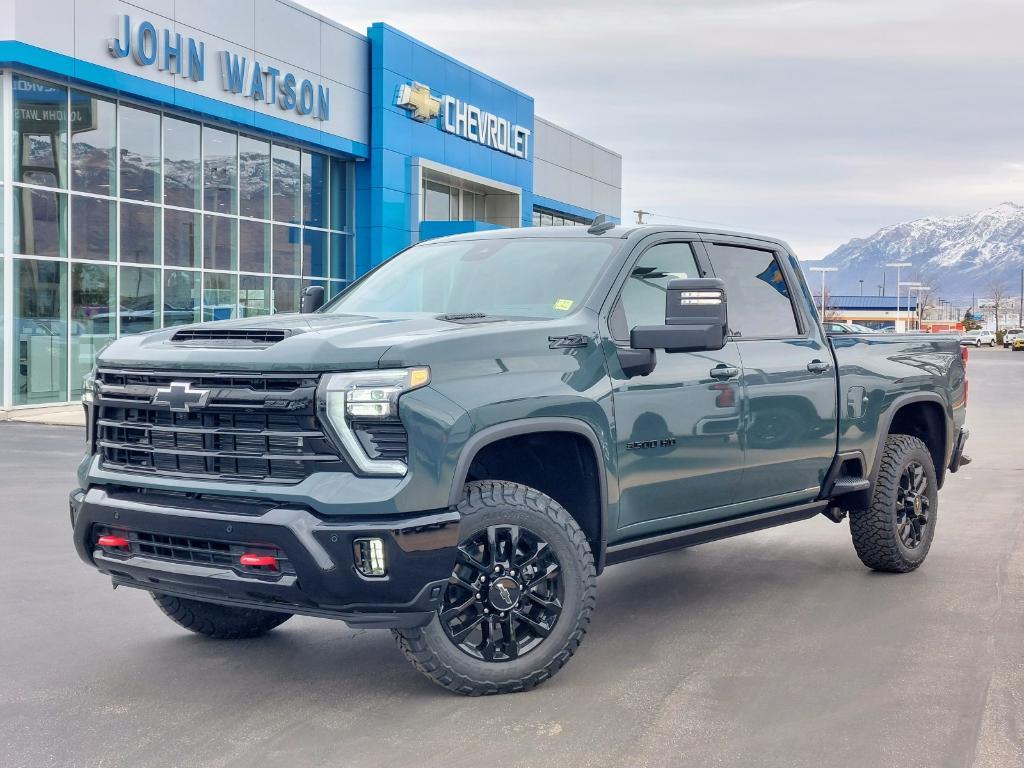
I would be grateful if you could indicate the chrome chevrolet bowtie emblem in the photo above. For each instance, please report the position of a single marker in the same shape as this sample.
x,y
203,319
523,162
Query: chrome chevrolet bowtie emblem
x,y
180,396
417,99
505,594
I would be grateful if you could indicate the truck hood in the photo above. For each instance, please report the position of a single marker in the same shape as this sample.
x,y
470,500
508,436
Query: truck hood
x,y
314,342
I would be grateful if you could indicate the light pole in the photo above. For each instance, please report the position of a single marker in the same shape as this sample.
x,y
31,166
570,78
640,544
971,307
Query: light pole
x,y
898,265
919,288
899,301
823,270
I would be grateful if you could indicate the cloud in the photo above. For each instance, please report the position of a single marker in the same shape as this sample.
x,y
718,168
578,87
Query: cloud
x,y
815,120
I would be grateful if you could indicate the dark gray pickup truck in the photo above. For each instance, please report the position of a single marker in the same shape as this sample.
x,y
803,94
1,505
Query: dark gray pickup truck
x,y
456,446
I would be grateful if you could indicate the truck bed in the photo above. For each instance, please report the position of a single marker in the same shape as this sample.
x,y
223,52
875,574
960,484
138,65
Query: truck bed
x,y
880,373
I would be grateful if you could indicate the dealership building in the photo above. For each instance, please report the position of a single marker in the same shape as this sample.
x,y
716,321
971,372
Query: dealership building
x,y
173,161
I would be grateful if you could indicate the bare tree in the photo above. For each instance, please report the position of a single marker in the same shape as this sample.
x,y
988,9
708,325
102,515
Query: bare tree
x,y
923,296
998,297
832,314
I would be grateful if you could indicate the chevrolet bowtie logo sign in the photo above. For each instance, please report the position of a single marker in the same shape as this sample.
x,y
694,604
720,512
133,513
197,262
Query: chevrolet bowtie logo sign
x,y
180,396
417,99
465,120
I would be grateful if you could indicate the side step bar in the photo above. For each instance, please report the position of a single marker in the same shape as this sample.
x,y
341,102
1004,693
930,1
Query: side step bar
x,y
700,534
850,485
846,475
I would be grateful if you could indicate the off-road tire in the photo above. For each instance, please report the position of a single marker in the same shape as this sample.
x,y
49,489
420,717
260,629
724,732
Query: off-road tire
x,y
221,622
434,653
874,530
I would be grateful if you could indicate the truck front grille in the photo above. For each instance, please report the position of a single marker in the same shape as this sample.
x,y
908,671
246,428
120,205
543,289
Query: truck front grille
x,y
260,428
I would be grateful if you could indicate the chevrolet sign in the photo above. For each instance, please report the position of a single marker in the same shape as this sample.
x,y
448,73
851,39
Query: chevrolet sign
x,y
465,120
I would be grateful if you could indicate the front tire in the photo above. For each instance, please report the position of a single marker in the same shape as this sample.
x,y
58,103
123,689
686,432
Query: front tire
x,y
221,622
895,532
519,599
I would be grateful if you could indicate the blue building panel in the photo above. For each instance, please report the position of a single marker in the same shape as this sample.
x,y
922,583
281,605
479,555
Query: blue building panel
x,y
398,60
432,229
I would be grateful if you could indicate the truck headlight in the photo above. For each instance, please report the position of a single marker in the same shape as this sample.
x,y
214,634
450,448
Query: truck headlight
x,y
367,396
89,388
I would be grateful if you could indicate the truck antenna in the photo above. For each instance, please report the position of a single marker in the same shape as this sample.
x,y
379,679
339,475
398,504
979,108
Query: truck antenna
x,y
600,225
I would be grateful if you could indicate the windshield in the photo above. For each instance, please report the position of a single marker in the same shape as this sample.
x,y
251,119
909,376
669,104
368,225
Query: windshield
x,y
516,277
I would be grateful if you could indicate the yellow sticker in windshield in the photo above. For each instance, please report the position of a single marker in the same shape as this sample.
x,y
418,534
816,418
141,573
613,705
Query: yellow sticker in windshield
x,y
563,305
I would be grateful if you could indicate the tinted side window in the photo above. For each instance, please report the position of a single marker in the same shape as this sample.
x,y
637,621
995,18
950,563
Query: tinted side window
x,y
759,300
643,296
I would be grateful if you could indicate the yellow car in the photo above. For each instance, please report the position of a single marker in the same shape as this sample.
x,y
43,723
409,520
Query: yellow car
x,y
1018,344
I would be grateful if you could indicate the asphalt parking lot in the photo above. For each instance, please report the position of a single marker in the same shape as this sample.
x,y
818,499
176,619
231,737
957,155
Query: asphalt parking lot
x,y
774,649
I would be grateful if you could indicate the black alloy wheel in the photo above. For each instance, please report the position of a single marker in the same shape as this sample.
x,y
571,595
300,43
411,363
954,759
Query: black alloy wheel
x,y
518,601
894,532
912,505
505,594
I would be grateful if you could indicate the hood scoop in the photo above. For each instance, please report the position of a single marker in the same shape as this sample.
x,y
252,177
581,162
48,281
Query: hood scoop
x,y
468,318
230,337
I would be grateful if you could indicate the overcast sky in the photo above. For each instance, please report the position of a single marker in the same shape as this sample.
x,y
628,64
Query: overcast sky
x,y
813,120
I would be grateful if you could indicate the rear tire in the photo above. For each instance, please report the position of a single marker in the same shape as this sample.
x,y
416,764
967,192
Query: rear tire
x,y
895,532
221,622
519,600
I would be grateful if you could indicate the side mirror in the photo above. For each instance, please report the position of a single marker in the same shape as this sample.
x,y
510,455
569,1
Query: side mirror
x,y
696,319
312,298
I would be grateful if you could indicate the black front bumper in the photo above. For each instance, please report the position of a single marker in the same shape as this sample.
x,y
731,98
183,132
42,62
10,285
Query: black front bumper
x,y
321,579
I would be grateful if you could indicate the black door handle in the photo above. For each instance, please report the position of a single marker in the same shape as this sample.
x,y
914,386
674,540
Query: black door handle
x,y
817,366
724,372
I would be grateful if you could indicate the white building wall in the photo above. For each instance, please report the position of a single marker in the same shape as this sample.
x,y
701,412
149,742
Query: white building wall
x,y
574,170
274,32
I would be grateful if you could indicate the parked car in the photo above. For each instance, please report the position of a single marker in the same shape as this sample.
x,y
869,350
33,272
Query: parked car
x,y
1018,343
978,339
1010,335
834,327
457,446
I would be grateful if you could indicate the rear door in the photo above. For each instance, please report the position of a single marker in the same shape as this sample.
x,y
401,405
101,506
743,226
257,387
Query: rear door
x,y
677,429
789,404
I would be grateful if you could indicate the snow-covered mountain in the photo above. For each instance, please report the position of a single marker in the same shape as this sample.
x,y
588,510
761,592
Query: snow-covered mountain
x,y
957,255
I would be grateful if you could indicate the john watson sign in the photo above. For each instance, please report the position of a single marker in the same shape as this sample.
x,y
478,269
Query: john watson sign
x,y
168,51
465,120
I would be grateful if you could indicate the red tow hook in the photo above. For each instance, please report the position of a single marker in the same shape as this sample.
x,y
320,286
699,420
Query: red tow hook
x,y
268,561
116,542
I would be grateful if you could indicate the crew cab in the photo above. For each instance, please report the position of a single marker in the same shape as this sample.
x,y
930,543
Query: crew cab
x,y
460,443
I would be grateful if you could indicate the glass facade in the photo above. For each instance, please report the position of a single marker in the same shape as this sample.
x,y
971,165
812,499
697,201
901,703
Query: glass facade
x,y
542,217
449,199
122,218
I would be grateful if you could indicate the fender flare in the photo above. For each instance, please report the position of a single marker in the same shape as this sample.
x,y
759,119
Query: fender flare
x,y
496,432
885,424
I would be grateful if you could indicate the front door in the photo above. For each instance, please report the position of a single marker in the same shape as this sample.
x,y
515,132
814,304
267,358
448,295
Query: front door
x,y
789,403
677,429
